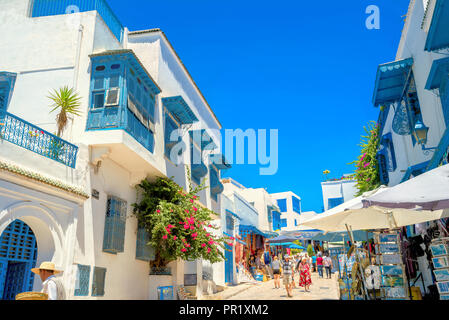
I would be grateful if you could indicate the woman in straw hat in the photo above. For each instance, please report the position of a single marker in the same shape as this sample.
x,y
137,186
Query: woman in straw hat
x,y
50,284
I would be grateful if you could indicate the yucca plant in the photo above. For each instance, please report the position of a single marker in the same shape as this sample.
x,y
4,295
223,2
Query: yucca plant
x,y
67,102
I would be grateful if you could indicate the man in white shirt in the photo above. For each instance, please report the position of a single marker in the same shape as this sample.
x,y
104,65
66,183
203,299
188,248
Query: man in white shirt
x,y
50,284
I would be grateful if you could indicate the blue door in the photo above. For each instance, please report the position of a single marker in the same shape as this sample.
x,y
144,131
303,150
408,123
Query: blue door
x,y
18,253
229,263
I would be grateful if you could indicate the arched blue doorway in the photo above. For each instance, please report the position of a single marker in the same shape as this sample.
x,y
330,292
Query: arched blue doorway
x,y
18,253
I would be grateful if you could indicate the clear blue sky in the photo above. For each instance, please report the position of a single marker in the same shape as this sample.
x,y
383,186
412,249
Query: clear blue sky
x,y
306,68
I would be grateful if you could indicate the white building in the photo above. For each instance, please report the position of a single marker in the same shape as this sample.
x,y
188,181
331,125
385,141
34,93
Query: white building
x,y
289,205
72,200
413,95
338,191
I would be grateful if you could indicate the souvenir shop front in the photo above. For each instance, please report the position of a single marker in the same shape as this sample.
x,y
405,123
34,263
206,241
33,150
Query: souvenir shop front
x,y
408,263
249,257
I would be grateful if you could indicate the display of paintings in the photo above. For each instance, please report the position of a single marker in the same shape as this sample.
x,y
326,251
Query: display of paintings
x,y
444,297
438,250
391,270
388,237
389,248
394,293
392,281
441,274
390,259
443,287
440,262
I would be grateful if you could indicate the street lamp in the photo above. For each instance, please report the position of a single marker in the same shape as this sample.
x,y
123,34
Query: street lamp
x,y
420,134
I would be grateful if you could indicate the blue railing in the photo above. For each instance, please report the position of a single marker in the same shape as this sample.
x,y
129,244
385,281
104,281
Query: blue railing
x,y
42,8
122,120
28,136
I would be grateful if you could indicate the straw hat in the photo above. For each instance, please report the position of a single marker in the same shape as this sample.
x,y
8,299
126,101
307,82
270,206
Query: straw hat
x,y
46,265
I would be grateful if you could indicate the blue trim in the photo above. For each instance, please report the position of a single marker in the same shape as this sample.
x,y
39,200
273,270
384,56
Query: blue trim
x,y
233,214
296,204
41,8
438,35
415,170
333,202
203,139
219,161
247,229
390,81
179,109
7,83
438,71
216,187
28,136
440,152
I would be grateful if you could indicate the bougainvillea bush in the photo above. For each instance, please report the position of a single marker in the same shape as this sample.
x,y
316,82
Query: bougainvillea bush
x,y
178,226
367,168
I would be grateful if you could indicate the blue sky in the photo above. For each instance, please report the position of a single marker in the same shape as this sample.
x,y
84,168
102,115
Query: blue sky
x,y
306,68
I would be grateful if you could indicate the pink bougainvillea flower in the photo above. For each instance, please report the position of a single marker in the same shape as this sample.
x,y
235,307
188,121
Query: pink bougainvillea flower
x,y
195,209
194,234
187,245
171,210
186,226
175,237
194,197
164,237
368,179
187,211
207,234
191,200
183,249
158,211
192,227
363,156
366,164
208,250
211,242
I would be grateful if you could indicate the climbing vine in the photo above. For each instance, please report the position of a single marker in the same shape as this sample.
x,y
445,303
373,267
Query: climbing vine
x,y
367,168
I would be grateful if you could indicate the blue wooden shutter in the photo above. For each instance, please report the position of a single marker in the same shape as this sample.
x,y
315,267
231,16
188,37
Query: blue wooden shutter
x,y
98,282
115,223
282,204
170,126
383,170
144,251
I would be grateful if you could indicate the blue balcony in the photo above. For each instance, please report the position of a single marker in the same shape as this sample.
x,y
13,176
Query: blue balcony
x,y
28,136
42,8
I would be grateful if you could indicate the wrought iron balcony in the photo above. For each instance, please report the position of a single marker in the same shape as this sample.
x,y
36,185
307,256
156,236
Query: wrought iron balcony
x,y
28,136
42,8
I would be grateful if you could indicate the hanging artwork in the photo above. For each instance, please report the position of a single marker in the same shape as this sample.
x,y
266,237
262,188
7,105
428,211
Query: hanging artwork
x,y
438,250
401,122
440,262
441,274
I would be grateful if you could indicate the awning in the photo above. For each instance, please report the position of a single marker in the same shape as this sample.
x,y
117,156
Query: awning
x,y
220,161
247,229
233,214
203,139
439,70
390,81
415,170
179,109
438,35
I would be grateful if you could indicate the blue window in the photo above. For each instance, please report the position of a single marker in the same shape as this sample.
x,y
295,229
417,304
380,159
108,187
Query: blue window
x,y
216,187
269,214
115,222
98,282
413,107
388,150
296,205
82,280
7,82
144,251
276,220
283,223
383,167
198,169
333,202
229,224
170,141
282,204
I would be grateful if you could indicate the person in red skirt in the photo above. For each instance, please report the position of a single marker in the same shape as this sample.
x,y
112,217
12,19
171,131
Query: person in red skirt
x,y
305,279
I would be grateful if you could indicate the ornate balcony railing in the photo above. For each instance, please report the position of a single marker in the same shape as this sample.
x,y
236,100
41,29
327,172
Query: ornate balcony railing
x,y
42,8
28,136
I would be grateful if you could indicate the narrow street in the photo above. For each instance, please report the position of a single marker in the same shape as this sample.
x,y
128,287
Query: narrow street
x,y
321,289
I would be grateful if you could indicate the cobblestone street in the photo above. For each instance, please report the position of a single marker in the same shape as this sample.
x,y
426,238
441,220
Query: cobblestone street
x,y
321,289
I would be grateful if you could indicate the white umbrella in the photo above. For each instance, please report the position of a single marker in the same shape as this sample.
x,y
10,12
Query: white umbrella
x,y
374,218
428,191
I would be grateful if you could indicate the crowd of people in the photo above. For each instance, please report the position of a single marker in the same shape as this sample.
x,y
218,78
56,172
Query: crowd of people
x,y
300,266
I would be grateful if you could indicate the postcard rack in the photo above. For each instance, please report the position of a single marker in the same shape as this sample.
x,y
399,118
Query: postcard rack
x,y
440,261
393,281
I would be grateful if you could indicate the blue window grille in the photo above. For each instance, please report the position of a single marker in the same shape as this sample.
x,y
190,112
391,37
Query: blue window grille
x,y
283,223
276,220
122,96
18,253
216,187
42,8
198,168
82,281
170,141
383,167
144,251
30,137
282,204
115,222
388,147
296,205
98,282
333,202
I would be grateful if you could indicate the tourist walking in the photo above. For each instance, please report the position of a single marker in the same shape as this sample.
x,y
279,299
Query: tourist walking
x,y
319,264
305,280
50,284
327,262
276,264
287,271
